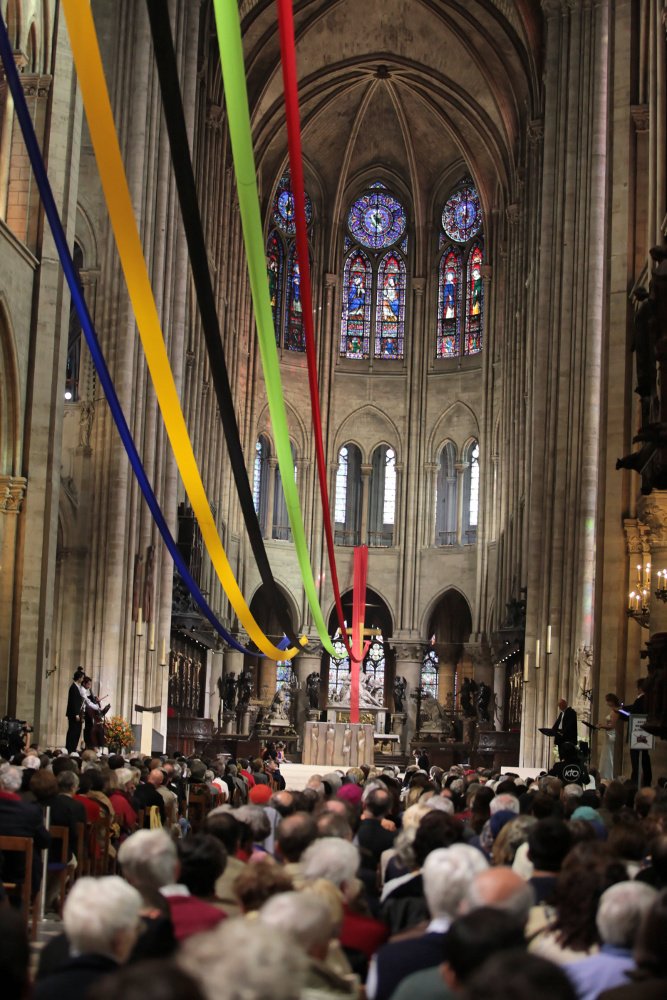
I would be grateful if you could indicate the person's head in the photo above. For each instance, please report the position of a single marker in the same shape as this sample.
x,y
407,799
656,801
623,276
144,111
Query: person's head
x,y
156,979
43,785
333,859
436,829
149,859
612,700
155,777
256,818
101,917
548,843
305,915
255,964
621,910
520,975
484,932
506,802
649,953
258,882
78,675
231,833
203,860
294,834
68,782
126,779
283,802
333,824
562,704
377,803
513,834
502,889
447,874
87,682
11,778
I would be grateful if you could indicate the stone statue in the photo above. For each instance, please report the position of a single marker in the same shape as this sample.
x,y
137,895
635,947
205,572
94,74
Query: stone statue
x,y
361,745
347,745
313,689
400,687
246,688
468,690
483,700
229,695
431,714
279,708
314,742
331,737
643,344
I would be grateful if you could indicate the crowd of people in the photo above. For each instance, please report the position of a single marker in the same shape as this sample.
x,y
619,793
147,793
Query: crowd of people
x,y
367,883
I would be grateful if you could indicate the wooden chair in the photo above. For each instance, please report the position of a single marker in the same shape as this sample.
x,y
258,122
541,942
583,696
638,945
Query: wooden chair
x,y
198,806
59,867
21,845
103,841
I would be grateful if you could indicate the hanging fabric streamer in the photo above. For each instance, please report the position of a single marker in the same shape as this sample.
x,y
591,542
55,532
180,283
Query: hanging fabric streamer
x,y
172,106
90,334
238,117
92,83
288,61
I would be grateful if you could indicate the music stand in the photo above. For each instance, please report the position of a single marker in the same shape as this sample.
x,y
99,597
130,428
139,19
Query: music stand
x,y
551,734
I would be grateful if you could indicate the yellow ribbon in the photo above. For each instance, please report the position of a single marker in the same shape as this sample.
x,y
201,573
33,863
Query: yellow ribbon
x,y
88,63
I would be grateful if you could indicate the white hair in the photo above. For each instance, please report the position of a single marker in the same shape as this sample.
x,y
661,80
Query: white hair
x,y
306,915
11,778
96,909
572,791
441,803
504,802
237,962
32,761
149,858
125,776
620,912
330,858
447,874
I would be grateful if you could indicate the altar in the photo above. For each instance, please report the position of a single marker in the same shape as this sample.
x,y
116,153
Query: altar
x,y
338,744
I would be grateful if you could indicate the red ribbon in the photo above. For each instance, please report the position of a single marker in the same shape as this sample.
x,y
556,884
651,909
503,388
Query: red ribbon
x,y
288,61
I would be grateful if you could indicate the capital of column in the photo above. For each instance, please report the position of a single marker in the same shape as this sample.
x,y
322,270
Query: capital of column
x,y
461,467
12,492
214,115
486,272
640,117
419,286
330,280
552,8
636,536
430,467
365,470
513,214
410,651
653,512
273,463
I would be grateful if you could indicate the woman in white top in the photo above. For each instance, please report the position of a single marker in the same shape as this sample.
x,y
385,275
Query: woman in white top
x,y
610,727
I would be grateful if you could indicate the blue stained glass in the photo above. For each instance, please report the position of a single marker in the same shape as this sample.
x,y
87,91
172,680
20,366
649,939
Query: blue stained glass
x,y
377,220
275,256
295,338
378,184
356,320
429,674
283,207
404,245
347,244
475,302
462,214
390,315
449,305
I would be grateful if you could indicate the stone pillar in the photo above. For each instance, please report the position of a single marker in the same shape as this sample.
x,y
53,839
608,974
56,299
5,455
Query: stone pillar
x,y
409,656
365,493
303,665
266,681
460,482
270,495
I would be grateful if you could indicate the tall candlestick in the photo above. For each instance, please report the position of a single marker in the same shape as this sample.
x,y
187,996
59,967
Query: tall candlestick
x,y
526,663
631,597
639,576
163,655
151,637
548,649
647,575
140,622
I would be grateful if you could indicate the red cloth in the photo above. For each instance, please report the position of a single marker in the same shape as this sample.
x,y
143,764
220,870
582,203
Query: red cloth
x,y
190,915
126,815
249,778
260,795
362,933
93,809
10,796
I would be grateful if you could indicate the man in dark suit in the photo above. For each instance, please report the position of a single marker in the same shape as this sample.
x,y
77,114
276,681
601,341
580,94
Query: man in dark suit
x,y
74,712
565,727
20,819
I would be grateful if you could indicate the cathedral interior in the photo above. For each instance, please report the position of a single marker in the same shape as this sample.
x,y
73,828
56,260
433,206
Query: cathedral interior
x,y
486,208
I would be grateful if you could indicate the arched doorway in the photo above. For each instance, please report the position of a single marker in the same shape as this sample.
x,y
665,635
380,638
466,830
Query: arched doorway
x,y
379,662
449,628
267,675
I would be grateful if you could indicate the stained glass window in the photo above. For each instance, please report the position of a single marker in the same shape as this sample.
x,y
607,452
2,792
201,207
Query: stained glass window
x,y
283,207
382,497
275,256
347,503
470,492
389,505
374,665
449,305
339,670
462,214
295,338
357,288
377,220
283,673
475,302
390,314
429,674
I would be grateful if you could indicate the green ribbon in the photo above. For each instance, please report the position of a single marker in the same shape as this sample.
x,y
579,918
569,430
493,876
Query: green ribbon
x,y
228,26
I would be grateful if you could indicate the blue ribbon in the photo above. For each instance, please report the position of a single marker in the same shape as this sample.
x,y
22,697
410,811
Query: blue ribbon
x,y
79,302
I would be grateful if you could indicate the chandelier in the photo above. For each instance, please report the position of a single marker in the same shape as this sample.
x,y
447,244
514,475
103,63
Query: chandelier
x,y
638,599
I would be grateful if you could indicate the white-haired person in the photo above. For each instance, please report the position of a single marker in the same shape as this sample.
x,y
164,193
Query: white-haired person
x,y
149,861
101,920
447,873
308,918
619,916
338,861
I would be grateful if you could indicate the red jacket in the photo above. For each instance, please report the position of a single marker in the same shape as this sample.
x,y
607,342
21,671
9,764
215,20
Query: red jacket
x,y
190,915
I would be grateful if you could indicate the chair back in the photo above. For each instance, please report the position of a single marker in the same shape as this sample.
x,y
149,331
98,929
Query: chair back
x,y
20,845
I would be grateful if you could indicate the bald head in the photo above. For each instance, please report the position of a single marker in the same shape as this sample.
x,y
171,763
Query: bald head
x,y
502,889
294,834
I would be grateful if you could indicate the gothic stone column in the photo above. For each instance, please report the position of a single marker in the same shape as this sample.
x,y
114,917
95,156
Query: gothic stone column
x,y
409,656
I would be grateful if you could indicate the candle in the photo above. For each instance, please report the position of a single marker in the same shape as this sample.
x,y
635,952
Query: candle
x,y
548,650
631,597
639,575
537,655
151,639
647,575
525,667
163,655
140,623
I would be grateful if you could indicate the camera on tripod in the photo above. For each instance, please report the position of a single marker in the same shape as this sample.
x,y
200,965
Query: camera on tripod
x,y
12,735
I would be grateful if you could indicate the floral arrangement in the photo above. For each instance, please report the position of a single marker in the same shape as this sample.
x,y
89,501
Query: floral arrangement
x,y
118,732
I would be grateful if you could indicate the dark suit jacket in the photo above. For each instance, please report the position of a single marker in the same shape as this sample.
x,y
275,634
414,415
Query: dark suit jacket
x,y
399,959
22,819
146,796
74,702
65,811
568,727
74,978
